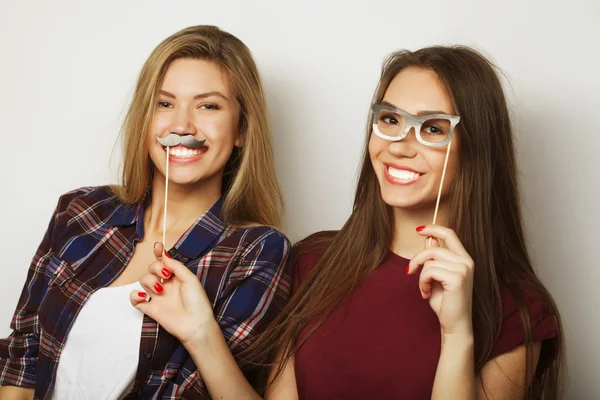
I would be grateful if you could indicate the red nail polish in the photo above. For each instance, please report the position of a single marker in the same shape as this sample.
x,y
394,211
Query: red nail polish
x,y
168,255
407,268
158,287
142,295
420,228
166,273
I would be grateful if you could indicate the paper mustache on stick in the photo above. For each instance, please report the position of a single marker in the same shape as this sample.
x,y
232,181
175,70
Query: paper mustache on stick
x,y
172,140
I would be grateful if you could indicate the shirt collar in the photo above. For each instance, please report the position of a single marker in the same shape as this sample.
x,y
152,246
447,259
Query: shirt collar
x,y
203,233
192,243
126,214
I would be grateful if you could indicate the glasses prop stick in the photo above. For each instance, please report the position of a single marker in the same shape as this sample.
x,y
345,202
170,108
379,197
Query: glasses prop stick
x,y
169,141
439,196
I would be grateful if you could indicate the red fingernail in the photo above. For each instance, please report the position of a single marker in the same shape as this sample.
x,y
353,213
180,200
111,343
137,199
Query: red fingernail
x,y
168,255
407,268
142,295
158,287
420,228
166,273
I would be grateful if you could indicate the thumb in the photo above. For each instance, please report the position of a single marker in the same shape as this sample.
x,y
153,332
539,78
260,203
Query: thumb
x,y
431,242
158,250
178,269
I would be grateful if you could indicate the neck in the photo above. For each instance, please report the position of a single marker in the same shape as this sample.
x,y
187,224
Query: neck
x,y
407,242
186,204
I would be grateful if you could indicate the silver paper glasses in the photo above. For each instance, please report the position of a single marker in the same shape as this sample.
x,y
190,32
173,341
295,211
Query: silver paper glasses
x,y
394,124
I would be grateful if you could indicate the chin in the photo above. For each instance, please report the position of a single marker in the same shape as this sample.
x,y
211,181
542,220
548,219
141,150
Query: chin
x,y
412,202
180,182
404,205
200,178
185,180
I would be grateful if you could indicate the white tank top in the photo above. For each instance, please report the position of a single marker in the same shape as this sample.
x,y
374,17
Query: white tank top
x,y
100,357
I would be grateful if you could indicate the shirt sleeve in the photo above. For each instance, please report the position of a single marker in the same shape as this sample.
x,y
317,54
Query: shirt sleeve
x,y
19,352
512,334
257,290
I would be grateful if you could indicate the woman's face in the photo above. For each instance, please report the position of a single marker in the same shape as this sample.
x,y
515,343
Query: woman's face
x,y
194,98
409,172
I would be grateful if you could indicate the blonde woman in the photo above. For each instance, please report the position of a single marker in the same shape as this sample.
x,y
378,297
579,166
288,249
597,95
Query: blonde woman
x,y
75,334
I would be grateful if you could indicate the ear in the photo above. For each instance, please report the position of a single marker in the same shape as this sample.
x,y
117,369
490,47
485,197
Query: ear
x,y
240,140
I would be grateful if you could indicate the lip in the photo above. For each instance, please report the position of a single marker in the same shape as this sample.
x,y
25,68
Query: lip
x,y
403,167
183,160
400,182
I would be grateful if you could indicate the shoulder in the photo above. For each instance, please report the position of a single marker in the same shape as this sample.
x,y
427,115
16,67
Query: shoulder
x,y
525,305
82,199
265,236
308,252
260,239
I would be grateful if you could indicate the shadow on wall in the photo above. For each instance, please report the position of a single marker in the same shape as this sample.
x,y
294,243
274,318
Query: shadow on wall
x,y
558,209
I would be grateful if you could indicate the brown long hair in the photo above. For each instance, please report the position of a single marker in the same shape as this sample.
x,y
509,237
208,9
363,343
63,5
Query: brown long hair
x,y
486,217
249,181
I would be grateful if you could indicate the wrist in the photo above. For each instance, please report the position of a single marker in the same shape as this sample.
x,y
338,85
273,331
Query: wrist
x,y
458,337
205,333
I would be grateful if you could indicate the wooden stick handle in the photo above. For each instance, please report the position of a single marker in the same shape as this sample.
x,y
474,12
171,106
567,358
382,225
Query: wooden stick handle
x,y
439,196
164,233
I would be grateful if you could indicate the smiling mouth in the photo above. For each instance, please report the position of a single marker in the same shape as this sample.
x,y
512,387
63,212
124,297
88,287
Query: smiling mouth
x,y
184,152
401,176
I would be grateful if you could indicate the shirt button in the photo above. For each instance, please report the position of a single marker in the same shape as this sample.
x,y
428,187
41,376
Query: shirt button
x,y
173,252
147,355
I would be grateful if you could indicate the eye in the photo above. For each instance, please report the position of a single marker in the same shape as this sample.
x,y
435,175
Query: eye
x,y
164,104
389,119
432,130
210,106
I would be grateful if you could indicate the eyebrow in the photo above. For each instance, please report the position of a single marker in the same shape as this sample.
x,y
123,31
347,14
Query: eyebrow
x,y
419,113
198,96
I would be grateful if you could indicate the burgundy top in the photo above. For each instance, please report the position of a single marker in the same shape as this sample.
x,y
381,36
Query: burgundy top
x,y
384,341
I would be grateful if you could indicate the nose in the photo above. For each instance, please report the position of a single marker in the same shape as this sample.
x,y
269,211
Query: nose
x,y
405,148
182,122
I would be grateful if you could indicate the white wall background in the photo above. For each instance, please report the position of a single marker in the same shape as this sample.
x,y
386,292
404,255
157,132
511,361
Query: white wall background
x,y
67,71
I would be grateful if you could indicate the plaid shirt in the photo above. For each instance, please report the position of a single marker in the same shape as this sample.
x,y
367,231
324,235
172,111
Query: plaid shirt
x,y
89,241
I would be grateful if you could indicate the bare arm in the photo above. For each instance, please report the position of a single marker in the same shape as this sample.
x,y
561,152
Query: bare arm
x,y
284,387
455,374
502,378
15,393
223,377
218,368
446,281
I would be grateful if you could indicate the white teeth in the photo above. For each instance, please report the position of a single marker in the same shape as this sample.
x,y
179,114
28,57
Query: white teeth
x,y
183,152
402,174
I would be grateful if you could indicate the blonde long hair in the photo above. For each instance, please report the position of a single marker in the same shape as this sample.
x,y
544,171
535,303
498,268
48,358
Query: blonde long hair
x,y
252,194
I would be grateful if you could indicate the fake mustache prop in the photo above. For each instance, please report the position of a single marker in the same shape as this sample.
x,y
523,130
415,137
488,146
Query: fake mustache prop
x,y
173,139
